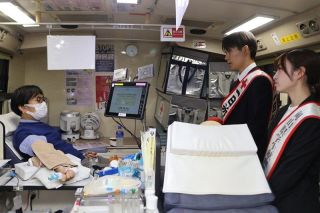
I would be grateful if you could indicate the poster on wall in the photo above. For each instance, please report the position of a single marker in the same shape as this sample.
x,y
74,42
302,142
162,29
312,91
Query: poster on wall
x,y
78,87
103,83
104,57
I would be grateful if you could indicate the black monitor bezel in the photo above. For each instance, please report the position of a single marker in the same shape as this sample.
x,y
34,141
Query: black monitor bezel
x,y
139,116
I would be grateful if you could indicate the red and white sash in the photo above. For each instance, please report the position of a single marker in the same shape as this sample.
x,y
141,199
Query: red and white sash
x,y
283,131
235,95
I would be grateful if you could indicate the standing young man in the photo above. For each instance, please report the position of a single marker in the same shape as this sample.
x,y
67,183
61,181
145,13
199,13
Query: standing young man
x,y
250,98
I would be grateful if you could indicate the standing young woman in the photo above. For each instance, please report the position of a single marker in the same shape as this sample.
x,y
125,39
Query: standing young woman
x,y
292,160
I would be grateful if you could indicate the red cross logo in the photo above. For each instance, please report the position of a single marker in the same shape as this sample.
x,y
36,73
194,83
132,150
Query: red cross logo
x,y
243,83
161,108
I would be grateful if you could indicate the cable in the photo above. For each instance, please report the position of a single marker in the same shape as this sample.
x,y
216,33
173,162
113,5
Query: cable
x,y
33,196
121,122
135,126
13,174
18,176
145,121
133,135
125,128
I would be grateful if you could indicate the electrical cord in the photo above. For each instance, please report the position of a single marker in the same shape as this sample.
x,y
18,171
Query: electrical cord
x,y
125,128
13,174
135,126
145,121
18,176
121,122
133,135
33,196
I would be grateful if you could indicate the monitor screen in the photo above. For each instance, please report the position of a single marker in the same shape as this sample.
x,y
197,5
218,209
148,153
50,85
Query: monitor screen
x,y
127,100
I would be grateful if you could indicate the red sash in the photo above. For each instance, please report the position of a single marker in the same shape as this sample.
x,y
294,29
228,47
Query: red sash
x,y
282,133
230,102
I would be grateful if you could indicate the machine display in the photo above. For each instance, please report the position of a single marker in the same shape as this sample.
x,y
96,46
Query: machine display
x,y
127,100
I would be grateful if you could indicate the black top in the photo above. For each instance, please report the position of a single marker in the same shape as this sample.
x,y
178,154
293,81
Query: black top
x,y
296,177
254,109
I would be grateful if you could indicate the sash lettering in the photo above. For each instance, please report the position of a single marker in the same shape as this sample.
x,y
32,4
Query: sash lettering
x,y
283,132
235,95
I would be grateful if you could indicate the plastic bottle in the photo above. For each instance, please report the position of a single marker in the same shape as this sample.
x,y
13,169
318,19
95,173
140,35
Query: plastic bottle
x,y
119,136
109,171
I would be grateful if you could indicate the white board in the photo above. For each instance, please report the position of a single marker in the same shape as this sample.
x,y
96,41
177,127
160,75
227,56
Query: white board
x,y
71,52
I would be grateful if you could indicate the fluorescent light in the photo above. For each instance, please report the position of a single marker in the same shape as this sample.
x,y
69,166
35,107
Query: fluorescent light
x,y
127,1
15,13
30,25
251,24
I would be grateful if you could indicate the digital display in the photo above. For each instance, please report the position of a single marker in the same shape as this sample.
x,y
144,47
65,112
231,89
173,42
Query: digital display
x,y
127,99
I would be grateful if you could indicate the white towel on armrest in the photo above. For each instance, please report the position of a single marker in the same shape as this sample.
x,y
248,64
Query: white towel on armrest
x,y
199,140
43,174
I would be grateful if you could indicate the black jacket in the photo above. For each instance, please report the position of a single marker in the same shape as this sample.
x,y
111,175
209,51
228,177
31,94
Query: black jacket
x,y
295,181
254,109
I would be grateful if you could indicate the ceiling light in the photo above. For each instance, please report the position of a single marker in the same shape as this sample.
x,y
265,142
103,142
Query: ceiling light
x,y
30,25
127,1
15,13
251,24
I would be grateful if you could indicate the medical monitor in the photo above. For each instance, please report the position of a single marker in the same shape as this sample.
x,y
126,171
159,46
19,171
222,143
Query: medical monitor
x,y
127,100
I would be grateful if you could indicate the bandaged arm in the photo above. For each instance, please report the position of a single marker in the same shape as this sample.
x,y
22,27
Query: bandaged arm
x,y
49,156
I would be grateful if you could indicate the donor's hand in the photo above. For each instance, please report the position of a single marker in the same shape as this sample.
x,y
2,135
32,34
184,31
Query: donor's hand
x,y
90,154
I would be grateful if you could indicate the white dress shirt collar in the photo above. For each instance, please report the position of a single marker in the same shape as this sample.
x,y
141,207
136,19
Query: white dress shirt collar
x,y
28,121
246,71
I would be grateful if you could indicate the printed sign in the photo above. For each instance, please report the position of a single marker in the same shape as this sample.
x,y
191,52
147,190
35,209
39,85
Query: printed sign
x,y
79,87
199,44
290,38
170,33
120,74
104,58
276,39
145,72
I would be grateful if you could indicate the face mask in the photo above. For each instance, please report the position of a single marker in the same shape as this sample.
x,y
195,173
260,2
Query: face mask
x,y
41,110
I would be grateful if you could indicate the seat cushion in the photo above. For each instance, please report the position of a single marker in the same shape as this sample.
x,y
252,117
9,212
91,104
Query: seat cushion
x,y
215,202
260,209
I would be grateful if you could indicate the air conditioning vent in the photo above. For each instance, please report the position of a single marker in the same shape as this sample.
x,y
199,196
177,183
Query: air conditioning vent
x,y
260,45
190,23
309,27
10,42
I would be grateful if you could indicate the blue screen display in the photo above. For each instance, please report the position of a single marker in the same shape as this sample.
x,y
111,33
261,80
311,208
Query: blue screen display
x,y
126,99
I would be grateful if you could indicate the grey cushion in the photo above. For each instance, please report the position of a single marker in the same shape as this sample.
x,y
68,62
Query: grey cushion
x,y
215,202
260,209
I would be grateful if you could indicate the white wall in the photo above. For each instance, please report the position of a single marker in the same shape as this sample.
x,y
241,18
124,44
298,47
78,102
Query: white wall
x,y
31,68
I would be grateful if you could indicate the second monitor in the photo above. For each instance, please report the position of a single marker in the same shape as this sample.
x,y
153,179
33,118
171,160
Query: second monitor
x,y
127,100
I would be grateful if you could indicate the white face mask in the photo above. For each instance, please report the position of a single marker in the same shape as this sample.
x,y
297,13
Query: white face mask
x,y
41,110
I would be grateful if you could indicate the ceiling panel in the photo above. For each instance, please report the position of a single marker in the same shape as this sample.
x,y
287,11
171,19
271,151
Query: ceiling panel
x,y
73,5
295,6
215,16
